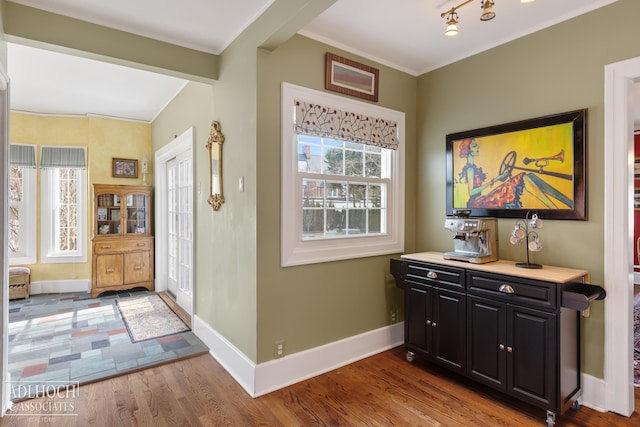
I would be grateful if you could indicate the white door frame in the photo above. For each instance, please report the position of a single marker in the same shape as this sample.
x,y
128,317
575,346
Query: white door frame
x,y
180,144
618,234
5,397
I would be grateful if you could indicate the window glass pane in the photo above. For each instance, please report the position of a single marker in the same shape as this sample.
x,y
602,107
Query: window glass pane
x,y
375,224
336,221
357,221
373,162
309,158
334,161
353,163
313,193
67,210
14,229
357,195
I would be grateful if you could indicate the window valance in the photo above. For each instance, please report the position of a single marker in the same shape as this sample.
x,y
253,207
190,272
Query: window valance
x,y
318,120
22,155
63,157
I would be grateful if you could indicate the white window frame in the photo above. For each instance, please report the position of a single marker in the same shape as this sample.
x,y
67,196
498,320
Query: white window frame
x,y
27,232
49,254
295,250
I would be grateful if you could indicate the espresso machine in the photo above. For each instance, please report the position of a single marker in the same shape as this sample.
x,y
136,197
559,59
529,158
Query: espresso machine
x,y
475,240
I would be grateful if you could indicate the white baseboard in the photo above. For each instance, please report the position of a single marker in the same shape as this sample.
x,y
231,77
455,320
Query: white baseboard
x,y
266,377
593,393
59,286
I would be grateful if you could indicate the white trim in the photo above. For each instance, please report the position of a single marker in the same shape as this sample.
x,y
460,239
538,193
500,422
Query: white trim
x,y
59,286
5,89
183,142
618,235
48,254
280,373
593,393
258,380
295,251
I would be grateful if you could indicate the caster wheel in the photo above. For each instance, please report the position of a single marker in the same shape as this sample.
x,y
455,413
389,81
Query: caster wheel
x,y
410,356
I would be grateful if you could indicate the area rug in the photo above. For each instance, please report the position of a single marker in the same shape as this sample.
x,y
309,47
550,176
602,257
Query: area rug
x,y
636,340
149,317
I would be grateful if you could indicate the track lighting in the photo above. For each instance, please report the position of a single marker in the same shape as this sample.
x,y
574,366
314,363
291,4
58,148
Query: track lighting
x,y
487,14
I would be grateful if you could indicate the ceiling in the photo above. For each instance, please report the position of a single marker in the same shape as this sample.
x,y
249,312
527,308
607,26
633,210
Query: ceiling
x,y
409,38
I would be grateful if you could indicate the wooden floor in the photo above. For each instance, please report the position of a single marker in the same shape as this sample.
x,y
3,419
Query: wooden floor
x,y
382,390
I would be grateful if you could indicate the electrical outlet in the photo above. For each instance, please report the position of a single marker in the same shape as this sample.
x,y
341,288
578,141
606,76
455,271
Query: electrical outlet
x,y
393,316
278,349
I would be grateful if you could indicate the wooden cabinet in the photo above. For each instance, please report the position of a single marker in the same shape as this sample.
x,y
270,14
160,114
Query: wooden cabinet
x,y
435,311
499,325
517,337
123,256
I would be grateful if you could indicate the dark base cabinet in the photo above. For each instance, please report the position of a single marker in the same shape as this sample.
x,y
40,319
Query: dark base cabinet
x,y
506,329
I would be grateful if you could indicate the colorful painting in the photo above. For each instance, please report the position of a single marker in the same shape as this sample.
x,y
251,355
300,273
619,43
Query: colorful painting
x,y
507,170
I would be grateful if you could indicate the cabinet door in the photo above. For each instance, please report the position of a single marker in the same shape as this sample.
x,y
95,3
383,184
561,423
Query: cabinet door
x,y
418,312
109,270
486,342
531,361
136,267
449,329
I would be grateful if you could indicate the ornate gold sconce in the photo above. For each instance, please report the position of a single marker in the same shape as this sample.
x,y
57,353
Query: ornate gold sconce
x,y
216,196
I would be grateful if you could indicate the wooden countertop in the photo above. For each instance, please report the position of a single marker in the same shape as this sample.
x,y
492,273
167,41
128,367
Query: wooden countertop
x,y
547,273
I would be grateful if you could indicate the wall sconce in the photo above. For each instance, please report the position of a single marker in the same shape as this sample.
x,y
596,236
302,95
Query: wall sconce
x,y
216,195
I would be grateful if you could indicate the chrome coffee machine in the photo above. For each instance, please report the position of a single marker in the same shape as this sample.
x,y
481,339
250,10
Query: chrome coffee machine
x,y
475,239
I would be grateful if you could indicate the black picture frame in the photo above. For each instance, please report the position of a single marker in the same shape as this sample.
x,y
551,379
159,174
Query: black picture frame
x,y
531,165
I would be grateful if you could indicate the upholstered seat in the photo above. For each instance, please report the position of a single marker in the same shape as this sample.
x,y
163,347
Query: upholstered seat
x,y
19,278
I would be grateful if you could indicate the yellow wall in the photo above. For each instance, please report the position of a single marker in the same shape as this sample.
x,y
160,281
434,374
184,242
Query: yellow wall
x,y
104,138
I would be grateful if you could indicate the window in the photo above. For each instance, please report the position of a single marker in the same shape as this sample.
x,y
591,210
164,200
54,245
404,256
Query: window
x,y
63,205
342,186
22,204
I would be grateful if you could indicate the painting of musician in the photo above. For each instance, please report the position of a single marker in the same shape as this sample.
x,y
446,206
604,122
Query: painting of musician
x,y
525,169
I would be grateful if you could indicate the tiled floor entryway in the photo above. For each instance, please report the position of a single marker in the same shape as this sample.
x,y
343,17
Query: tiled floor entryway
x,y
64,338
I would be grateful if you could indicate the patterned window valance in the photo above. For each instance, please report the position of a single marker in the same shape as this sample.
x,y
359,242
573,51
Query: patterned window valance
x,y
63,157
318,120
22,155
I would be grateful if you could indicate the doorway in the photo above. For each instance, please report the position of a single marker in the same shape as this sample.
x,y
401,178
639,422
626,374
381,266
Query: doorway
x,y
174,219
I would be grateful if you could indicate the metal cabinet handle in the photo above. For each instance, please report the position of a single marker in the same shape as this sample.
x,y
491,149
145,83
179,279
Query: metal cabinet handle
x,y
433,324
110,270
428,322
432,275
507,289
501,347
105,247
510,350
137,267
141,244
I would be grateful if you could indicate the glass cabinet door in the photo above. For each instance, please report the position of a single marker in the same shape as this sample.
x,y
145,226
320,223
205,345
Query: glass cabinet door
x,y
137,211
108,214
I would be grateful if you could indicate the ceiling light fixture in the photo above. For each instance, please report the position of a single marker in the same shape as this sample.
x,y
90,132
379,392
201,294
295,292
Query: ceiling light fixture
x,y
487,11
452,17
452,25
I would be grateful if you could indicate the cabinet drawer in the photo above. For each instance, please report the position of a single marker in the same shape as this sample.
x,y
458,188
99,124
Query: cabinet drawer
x,y
122,245
434,274
525,292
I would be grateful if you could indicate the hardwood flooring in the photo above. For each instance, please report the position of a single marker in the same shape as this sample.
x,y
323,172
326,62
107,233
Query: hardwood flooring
x,y
382,390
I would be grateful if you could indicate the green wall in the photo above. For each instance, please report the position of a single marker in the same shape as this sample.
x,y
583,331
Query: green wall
x,y
552,71
311,305
241,290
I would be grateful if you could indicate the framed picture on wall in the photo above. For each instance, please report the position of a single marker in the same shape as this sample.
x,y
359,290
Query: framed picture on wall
x,y
510,169
124,168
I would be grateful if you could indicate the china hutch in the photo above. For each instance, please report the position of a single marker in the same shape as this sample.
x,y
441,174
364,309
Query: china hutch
x,y
122,242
